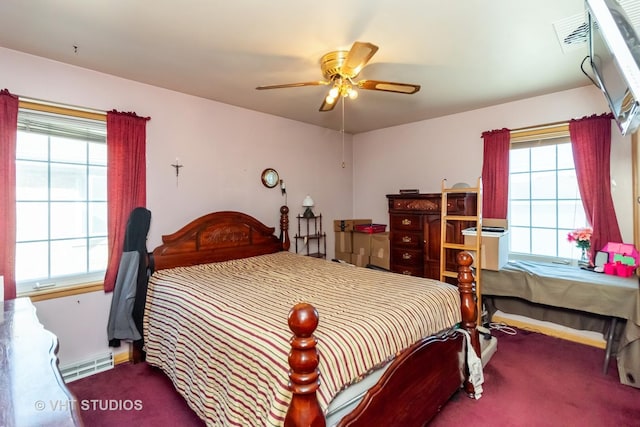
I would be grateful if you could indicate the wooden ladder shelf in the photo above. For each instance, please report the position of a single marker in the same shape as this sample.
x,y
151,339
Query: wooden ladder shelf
x,y
446,245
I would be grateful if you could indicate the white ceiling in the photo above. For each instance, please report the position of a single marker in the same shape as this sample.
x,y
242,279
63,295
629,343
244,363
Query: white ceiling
x,y
465,54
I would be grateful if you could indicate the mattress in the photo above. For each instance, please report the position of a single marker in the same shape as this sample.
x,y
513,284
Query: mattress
x,y
219,330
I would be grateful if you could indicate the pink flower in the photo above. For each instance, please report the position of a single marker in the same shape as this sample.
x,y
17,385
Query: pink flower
x,y
582,237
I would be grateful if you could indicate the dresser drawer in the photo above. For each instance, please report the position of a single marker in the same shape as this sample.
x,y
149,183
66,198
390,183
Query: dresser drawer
x,y
455,206
407,239
407,257
408,270
405,222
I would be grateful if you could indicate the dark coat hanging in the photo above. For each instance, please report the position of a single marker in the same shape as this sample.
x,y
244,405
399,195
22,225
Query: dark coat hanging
x,y
129,294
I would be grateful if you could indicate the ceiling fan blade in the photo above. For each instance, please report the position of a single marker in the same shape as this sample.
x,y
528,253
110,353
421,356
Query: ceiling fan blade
x,y
357,58
328,107
389,86
318,83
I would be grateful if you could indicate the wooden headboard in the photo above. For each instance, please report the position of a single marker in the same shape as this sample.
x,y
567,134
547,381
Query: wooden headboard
x,y
221,236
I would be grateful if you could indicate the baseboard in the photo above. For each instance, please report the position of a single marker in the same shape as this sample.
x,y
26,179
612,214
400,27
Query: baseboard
x,y
123,357
590,338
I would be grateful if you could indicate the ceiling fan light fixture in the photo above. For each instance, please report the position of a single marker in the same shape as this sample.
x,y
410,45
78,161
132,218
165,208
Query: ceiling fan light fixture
x,y
340,68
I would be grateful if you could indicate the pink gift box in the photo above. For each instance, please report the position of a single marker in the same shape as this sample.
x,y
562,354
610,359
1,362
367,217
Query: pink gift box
x,y
622,249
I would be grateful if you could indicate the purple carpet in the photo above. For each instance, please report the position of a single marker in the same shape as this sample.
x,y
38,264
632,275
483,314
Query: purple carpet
x,y
537,380
532,380
144,393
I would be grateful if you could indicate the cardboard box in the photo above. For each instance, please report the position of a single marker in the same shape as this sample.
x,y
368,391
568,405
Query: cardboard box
x,y
362,243
494,250
343,256
343,241
359,260
348,224
355,247
380,250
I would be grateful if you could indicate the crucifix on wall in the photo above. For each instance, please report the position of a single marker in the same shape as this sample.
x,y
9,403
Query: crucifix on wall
x,y
177,166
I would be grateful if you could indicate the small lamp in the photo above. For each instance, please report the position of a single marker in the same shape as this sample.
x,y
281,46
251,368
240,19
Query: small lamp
x,y
308,203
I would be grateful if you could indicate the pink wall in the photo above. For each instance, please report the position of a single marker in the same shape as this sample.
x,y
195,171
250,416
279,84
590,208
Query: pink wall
x,y
224,149
419,155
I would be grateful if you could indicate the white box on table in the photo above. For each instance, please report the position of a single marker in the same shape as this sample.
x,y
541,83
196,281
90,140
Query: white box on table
x,y
494,249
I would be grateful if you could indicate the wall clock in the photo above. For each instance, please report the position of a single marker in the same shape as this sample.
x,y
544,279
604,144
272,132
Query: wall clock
x,y
270,177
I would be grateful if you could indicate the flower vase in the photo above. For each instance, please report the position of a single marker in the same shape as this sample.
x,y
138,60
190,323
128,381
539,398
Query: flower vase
x,y
584,258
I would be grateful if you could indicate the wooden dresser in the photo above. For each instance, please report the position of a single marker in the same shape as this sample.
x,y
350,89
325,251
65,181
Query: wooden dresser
x,y
414,231
32,392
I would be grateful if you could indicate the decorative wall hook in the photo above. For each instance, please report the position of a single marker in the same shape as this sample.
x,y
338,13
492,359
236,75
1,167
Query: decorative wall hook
x,y
177,166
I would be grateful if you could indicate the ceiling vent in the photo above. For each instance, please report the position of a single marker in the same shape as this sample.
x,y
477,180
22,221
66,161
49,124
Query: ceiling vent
x,y
573,31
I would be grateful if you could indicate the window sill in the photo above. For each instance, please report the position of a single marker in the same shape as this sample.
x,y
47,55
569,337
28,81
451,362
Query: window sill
x,y
514,257
62,291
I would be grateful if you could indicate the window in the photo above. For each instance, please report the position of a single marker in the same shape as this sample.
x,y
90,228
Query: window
x,y
544,200
61,199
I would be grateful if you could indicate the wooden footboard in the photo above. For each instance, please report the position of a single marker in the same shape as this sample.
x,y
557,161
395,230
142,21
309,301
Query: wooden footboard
x,y
427,374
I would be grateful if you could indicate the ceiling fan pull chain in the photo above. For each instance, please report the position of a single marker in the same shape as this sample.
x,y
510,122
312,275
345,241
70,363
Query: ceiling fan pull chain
x,y
342,131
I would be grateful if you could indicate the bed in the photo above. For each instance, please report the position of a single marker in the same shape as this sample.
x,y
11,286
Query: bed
x,y
252,334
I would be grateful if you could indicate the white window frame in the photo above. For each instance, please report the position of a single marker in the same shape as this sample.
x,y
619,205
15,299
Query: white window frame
x,y
538,136
34,117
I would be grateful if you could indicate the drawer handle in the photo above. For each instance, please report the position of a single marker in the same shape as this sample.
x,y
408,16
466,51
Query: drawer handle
x,y
406,239
406,255
406,272
406,221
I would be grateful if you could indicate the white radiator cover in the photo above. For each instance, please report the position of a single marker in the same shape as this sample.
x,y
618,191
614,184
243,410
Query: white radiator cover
x,y
75,371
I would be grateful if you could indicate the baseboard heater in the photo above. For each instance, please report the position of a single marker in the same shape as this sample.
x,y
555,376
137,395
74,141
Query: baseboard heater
x,y
78,370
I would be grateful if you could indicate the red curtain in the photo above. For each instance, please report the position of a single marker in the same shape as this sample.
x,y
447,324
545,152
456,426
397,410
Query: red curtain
x,y
8,136
126,181
495,173
591,145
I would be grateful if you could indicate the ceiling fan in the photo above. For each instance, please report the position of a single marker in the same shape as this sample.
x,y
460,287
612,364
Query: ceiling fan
x,y
340,68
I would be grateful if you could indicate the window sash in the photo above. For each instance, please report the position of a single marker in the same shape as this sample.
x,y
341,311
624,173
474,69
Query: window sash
x,y
90,128
531,138
63,126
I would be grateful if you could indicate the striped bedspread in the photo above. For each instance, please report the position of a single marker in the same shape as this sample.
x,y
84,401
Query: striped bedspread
x,y
220,332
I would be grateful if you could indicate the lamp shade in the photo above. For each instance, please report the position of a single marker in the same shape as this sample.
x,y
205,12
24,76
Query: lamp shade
x,y
307,202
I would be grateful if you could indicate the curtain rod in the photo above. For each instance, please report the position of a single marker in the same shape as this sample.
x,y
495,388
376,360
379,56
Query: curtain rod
x,y
546,125
59,105
52,107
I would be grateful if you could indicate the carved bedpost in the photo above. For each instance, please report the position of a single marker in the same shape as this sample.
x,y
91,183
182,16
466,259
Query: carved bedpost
x,y
284,227
304,409
468,305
